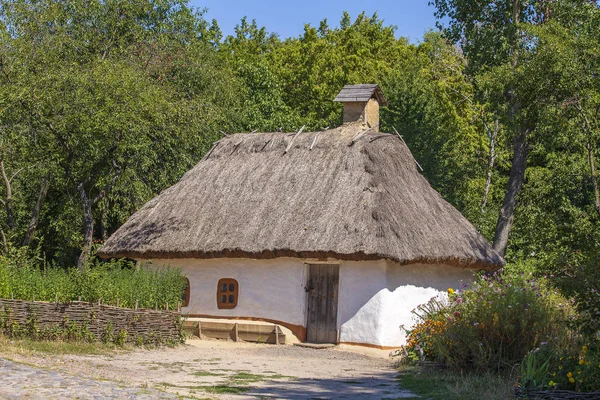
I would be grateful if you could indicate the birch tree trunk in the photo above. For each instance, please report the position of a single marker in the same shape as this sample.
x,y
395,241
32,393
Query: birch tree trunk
x,y
593,175
491,160
8,198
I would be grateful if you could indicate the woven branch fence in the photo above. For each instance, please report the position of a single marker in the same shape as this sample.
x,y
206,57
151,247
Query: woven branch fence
x,y
88,321
523,393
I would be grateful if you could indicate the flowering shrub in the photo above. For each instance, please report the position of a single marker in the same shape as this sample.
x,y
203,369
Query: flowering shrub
x,y
576,370
493,323
420,340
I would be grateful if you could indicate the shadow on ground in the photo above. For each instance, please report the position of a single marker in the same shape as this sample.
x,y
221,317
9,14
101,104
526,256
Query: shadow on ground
x,y
381,386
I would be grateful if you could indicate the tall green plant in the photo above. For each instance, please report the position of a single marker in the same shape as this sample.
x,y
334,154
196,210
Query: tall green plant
x,y
496,321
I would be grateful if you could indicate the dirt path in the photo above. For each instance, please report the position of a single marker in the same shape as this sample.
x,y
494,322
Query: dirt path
x,y
226,370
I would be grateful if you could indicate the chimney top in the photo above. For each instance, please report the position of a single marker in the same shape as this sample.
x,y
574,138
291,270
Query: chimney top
x,y
361,93
361,103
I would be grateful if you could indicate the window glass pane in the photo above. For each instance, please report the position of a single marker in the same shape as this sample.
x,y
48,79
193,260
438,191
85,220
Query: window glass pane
x,y
224,298
231,298
224,287
232,287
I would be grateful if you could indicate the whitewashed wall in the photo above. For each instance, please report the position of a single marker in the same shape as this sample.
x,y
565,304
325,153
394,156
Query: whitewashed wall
x,y
272,289
375,297
359,306
401,289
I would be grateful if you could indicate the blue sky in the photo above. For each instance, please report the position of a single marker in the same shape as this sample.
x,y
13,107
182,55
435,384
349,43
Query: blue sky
x,y
287,18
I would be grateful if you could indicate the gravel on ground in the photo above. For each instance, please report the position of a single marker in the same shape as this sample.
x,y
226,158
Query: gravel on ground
x,y
204,369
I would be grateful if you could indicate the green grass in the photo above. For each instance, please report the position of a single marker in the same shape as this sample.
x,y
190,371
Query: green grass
x,y
247,377
205,373
279,376
216,389
220,389
26,347
435,384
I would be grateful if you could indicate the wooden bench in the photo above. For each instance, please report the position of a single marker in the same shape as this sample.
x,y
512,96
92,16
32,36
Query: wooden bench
x,y
259,333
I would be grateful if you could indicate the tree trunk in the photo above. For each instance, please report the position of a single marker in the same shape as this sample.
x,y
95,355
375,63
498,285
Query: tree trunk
x,y
492,158
103,230
88,223
519,161
587,127
593,175
515,182
4,241
8,200
35,214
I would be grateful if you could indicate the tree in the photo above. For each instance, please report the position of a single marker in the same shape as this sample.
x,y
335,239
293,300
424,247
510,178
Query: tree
x,y
118,99
494,37
314,67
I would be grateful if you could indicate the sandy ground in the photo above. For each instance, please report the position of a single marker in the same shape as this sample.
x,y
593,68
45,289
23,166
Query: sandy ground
x,y
226,370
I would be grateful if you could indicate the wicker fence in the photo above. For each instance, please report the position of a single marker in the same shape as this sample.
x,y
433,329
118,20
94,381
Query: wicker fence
x,y
524,393
86,321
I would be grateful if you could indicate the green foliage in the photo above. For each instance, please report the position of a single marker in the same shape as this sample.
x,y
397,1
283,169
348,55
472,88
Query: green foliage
x,y
431,382
494,322
120,98
108,282
534,373
576,369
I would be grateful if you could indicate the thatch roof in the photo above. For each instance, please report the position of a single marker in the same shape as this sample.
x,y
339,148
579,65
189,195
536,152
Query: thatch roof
x,y
327,196
360,93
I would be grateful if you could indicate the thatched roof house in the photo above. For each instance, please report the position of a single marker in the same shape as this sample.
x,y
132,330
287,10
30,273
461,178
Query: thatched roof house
x,y
347,198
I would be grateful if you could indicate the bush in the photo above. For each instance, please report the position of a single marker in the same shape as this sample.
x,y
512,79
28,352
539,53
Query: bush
x,y
575,369
583,284
493,323
102,281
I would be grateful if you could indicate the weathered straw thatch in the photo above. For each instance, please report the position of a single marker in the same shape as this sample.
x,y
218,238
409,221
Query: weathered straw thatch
x,y
332,194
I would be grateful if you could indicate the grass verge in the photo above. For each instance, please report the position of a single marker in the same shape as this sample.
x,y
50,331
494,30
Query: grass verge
x,y
437,384
215,389
26,347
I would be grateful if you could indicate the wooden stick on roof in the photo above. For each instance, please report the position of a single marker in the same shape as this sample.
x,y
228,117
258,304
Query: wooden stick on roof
x,y
292,141
316,137
363,133
413,157
214,146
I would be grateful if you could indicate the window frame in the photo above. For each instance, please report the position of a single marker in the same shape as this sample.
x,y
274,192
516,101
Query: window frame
x,y
186,294
229,304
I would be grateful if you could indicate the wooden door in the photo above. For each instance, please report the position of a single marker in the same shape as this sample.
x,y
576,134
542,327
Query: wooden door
x,y
322,290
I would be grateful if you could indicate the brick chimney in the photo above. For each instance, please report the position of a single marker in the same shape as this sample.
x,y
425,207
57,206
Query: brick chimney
x,y
361,103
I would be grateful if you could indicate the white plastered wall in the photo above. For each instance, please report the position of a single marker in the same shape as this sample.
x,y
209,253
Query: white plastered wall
x,y
393,291
269,289
359,303
375,297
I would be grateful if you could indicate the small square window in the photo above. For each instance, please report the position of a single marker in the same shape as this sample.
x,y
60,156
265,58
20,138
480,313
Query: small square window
x,y
227,293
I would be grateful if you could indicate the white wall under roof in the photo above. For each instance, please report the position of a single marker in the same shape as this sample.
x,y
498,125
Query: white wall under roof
x,y
375,297
270,289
